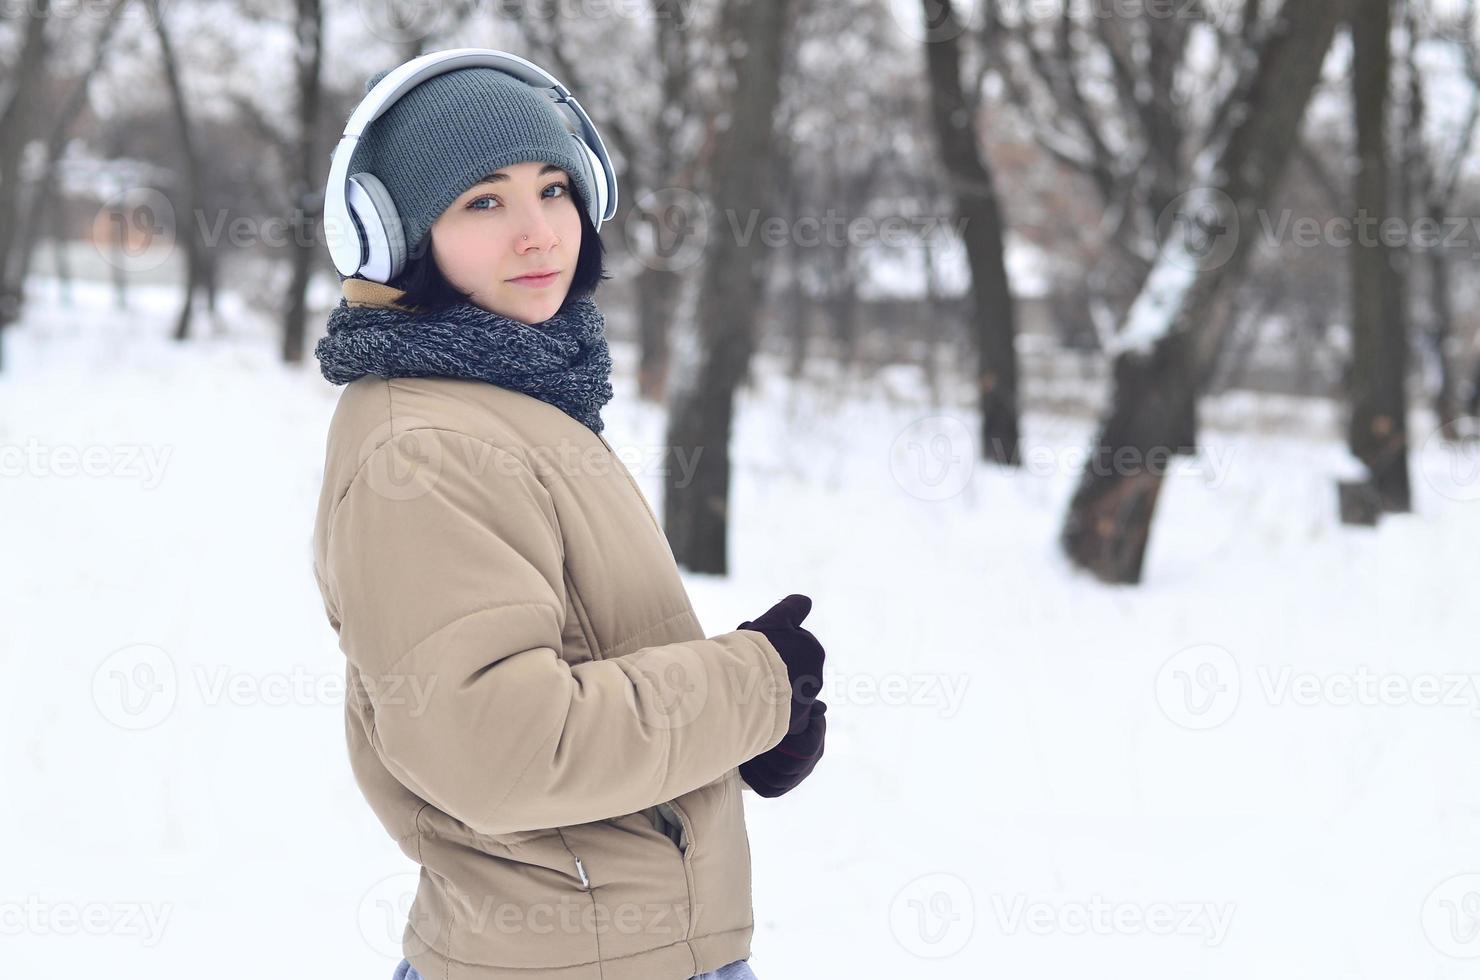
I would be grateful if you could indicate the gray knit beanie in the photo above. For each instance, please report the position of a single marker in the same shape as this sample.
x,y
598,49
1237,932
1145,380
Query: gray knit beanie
x,y
447,132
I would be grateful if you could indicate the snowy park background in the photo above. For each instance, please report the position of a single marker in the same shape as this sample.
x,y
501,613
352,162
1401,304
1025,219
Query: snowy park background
x,y
1256,760
1004,732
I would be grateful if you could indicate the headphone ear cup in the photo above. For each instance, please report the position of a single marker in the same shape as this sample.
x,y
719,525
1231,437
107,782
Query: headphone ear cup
x,y
596,180
381,231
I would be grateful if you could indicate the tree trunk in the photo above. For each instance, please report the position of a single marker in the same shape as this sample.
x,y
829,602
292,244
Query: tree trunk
x,y
659,287
59,241
796,312
695,514
307,196
1171,338
187,226
841,306
797,316
19,122
994,317
1472,404
56,144
1377,429
1447,407
658,293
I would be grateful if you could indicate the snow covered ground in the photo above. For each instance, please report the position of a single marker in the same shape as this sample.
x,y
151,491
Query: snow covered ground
x,y
1254,765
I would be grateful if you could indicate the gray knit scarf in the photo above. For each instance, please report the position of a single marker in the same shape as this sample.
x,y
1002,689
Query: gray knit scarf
x,y
563,361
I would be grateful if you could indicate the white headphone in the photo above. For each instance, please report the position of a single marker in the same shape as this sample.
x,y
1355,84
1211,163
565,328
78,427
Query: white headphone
x,y
361,225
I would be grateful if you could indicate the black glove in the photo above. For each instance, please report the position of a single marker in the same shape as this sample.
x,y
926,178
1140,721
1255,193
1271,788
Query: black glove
x,y
798,648
780,768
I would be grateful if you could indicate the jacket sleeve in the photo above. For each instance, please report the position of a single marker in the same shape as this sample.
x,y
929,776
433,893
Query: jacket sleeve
x,y
450,589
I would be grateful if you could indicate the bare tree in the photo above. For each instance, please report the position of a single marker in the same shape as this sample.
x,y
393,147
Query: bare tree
x,y
307,187
1169,344
969,177
56,140
20,119
853,130
1102,95
659,285
696,513
187,231
1377,429
1430,174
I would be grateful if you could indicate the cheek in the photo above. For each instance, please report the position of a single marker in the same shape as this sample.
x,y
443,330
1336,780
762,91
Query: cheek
x,y
469,249
568,227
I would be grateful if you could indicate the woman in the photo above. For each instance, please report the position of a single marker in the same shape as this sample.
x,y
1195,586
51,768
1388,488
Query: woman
x,y
533,712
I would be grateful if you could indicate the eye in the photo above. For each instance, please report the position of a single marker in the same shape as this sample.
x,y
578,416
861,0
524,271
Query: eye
x,y
562,186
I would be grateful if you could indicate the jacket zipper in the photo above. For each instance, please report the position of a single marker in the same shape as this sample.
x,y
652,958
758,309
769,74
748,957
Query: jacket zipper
x,y
685,850
671,810
670,807
581,869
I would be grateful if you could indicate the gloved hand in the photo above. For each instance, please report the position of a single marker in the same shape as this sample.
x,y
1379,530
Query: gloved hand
x,y
798,648
780,768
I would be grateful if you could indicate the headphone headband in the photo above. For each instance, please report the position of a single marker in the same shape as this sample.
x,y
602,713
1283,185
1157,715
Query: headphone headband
x,y
344,240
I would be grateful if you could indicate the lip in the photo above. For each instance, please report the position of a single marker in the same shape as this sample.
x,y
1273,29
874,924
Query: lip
x,y
541,277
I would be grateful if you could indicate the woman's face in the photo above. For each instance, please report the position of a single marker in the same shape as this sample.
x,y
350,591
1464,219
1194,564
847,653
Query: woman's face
x,y
516,221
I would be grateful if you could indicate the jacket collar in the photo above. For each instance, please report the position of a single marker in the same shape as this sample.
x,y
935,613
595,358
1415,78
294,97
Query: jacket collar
x,y
363,292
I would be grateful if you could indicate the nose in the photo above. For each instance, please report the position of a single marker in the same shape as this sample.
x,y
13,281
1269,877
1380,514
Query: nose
x,y
534,232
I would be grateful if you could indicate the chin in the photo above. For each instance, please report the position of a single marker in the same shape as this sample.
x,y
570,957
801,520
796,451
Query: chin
x,y
541,313
525,312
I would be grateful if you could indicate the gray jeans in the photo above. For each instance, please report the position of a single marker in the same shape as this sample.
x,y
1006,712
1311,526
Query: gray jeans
x,y
738,970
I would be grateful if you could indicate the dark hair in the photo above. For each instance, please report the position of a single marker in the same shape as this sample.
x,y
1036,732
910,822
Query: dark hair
x,y
426,288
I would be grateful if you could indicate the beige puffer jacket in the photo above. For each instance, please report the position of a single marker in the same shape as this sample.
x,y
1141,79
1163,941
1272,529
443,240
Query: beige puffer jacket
x,y
534,712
